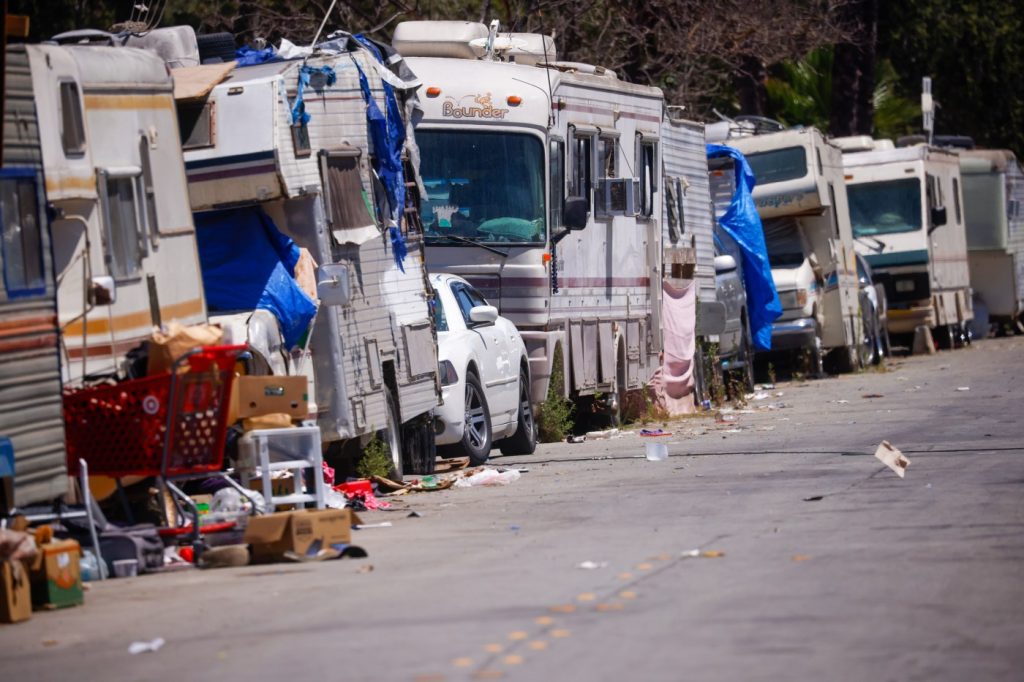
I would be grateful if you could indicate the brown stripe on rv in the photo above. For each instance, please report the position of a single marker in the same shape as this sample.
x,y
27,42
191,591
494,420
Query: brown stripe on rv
x,y
104,101
136,319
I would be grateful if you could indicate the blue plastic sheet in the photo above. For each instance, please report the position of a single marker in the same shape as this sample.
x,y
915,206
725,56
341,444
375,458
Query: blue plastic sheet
x,y
247,56
388,135
299,115
742,222
248,264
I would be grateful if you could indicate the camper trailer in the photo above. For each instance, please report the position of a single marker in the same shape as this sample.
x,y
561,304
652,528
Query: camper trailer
x,y
30,381
124,252
801,198
255,167
994,214
544,190
908,222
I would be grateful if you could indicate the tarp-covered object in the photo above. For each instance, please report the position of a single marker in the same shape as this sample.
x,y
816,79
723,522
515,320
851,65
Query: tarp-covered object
x,y
743,224
673,381
248,264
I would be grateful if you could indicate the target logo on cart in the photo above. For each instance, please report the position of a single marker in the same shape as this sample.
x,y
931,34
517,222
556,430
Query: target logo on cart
x,y
150,405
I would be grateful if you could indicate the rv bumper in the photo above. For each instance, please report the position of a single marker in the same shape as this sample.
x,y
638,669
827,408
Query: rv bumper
x,y
906,320
793,334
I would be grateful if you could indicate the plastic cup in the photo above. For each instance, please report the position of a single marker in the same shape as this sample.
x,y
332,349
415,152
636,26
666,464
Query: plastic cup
x,y
126,568
656,452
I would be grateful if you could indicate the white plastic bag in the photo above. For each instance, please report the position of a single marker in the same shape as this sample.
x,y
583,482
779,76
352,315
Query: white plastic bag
x,y
488,477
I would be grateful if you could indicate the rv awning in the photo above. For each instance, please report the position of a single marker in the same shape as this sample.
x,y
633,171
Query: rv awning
x,y
196,82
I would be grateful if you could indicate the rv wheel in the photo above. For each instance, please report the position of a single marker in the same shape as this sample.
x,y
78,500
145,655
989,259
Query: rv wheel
x,y
419,448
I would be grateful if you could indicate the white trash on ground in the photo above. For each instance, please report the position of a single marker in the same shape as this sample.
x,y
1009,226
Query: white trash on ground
x,y
489,477
143,647
892,458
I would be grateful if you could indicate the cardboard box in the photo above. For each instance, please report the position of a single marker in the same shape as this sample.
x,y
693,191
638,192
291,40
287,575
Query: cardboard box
x,y
296,531
258,396
56,577
15,593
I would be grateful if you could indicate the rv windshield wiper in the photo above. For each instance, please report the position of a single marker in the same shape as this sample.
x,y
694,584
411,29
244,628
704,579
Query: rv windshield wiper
x,y
465,240
878,246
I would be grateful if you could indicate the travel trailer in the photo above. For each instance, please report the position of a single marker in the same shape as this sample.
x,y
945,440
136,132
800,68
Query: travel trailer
x,y
908,222
256,167
801,198
544,190
30,380
994,215
124,251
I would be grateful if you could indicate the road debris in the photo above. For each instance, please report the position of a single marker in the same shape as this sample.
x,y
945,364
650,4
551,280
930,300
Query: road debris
x,y
143,647
701,554
656,452
592,565
654,433
488,477
963,388
814,498
603,435
872,395
892,458
801,557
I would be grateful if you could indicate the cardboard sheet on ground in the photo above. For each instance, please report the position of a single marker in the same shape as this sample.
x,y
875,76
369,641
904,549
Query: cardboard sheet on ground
x,y
892,458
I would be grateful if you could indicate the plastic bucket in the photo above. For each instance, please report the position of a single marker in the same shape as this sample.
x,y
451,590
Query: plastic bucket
x,y
656,452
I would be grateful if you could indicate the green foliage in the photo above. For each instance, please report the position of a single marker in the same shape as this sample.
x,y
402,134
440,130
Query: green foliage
x,y
376,459
554,419
800,93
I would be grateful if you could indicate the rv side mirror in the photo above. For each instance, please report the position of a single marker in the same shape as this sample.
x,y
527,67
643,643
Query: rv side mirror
x,y
332,285
102,291
725,263
483,314
938,217
575,213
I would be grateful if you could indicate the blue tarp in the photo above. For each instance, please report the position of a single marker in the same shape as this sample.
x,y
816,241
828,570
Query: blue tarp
x,y
247,56
248,264
743,224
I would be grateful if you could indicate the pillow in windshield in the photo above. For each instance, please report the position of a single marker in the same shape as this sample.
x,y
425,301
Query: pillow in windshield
x,y
512,228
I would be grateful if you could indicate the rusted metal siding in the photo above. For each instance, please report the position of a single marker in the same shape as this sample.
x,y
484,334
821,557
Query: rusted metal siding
x,y
30,383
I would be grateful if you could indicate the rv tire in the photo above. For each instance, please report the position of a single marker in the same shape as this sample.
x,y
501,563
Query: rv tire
x,y
419,448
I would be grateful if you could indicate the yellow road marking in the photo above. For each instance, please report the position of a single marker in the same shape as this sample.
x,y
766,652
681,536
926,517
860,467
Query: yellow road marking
x,y
643,567
494,648
462,662
518,635
586,596
625,576
627,594
513,659
538,645
613,606
543,620
560,633
563,608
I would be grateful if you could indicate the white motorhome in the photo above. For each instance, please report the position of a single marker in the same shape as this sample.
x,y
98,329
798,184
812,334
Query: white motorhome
x,y
123,240
907,211
801,198
30,380
372,358
544,190
994,213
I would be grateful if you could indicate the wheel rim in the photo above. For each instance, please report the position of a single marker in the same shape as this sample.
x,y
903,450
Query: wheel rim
x,y
476,420
526,409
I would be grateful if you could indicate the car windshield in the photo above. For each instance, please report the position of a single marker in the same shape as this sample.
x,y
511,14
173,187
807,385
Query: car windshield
x,y
885,207
778,165
487,187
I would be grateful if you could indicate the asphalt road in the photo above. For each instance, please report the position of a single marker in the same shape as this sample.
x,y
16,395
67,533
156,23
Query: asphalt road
x,y
831,566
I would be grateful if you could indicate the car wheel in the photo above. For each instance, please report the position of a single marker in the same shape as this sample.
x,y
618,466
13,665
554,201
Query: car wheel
x,y
868,347
393,437
524,440
476,435
817,356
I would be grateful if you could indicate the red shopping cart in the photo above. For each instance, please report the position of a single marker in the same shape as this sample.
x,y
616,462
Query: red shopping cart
x,y
171,426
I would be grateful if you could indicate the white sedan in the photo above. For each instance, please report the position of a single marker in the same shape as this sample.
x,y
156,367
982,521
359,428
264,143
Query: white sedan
x,y
485,375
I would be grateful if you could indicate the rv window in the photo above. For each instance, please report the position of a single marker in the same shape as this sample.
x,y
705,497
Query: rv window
x,y
778,165
148,190
300,141
646,168
606,151
348,205
22,239
885,207
124,241
956,198
581,171
72,125
832,214
196,124
681,204
557,179
613,195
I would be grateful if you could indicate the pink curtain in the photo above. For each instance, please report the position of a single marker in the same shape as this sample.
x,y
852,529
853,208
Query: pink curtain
x,y
673,381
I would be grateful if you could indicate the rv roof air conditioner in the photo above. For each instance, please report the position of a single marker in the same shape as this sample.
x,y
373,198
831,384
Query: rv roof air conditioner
x,y
531,49
580,67
438,38
861,143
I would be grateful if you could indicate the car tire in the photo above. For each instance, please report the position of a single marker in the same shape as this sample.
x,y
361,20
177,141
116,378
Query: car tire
x,y
817,352
476,434
524,440
747,354
869,346
215,48
419,447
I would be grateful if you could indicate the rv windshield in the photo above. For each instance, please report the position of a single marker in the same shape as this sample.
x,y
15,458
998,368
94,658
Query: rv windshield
x,y
487,187
778,165
885,207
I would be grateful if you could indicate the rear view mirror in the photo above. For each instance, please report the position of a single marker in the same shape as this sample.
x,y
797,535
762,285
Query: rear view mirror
x,y
332,285
724,263
938,217
575,213
483,314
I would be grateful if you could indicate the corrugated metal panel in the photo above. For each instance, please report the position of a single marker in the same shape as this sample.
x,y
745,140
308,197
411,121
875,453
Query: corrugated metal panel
x,y
684,155
30,384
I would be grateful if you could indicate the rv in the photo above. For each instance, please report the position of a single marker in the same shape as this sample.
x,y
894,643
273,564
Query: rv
x,y
801,198
124,251
257,166
908,222
30,380
994,214
543,189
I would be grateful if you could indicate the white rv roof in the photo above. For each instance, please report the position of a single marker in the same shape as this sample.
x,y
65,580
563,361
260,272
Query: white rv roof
x,y
101,65
986,160
780,140
898,155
